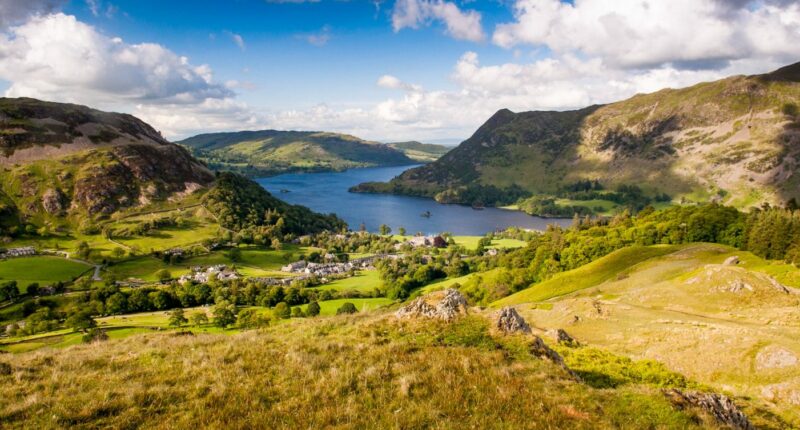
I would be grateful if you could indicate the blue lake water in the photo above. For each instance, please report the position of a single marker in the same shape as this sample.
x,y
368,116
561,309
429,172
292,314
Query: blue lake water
x,y
327,193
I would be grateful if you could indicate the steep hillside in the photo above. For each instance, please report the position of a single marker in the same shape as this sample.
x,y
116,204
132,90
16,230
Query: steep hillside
x,y
423,152
64,167
733,140
68,161
718,315
270,151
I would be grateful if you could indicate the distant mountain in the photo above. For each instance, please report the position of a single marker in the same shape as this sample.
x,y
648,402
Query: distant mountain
x,y
422,152
268,152
65,166
736,140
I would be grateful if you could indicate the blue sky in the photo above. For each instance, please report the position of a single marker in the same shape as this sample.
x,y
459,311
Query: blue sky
x,y
431,70
287,70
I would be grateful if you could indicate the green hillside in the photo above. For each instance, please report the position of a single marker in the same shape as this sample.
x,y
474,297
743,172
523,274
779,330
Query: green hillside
x,y
268,152
733,141
422,152
71,174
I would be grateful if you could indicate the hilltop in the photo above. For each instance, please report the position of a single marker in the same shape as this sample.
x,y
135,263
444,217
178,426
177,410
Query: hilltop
x,y
67,168
422,152
267,152
733,141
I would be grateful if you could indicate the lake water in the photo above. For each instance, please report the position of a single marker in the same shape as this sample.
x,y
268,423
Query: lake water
x,y
327,192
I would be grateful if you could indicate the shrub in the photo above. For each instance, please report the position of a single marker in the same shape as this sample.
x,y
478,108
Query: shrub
x,y
282,311
346,308
313,309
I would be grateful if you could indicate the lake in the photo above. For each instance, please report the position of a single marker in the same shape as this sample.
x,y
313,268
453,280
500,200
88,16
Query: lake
x,y
327,193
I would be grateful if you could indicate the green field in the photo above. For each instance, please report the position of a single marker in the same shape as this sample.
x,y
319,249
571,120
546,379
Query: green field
x,y
588,275
365,281
329,307
42,269
447,283
471,242
254,262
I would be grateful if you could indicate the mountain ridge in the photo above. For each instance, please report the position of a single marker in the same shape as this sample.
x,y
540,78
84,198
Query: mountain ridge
x,y
733,141
268,152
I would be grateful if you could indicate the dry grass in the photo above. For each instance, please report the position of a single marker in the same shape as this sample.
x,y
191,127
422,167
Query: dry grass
x,y
365,371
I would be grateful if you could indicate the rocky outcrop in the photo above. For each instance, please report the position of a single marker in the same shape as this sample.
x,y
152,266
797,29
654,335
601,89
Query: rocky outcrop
x,y
719,406
444,305
561,336
508,321
54,201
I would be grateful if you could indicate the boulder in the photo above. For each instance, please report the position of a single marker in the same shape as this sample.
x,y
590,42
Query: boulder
x,y
508,321
731,261
719,406
561,336
445,305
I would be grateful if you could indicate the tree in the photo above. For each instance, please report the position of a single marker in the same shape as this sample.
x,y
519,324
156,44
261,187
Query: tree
x,y
199,318
276,244
117,304
177,318
81,321
282,311
9,291
83,250
235,255
385,229
346,308
297,312
313,309
224,314
250,318
163,275
118,252
401,231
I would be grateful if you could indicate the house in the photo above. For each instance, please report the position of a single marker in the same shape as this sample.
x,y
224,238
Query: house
x,y
203,275
424,241
297,266
18,252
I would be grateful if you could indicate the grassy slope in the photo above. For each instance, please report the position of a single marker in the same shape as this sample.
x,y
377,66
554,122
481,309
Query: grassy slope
x,y
588,275
358,372
677,307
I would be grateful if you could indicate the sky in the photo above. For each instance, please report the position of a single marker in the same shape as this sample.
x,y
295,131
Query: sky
x,y
387,70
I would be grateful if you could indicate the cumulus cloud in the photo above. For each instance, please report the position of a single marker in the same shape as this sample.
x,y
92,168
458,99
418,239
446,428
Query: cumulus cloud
x,y
17,11
700,34
464,25
56,57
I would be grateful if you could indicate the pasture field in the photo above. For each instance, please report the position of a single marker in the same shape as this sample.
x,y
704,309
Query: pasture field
x,y
364,281
329,307
41,269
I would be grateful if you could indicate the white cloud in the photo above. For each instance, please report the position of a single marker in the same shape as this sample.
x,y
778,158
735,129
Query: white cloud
x,y
56,57
17,11
464,25
237,39
644,34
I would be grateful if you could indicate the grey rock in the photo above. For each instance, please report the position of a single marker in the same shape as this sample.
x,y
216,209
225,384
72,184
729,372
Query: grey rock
x,y
508,320
719,406
445,305
561,336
